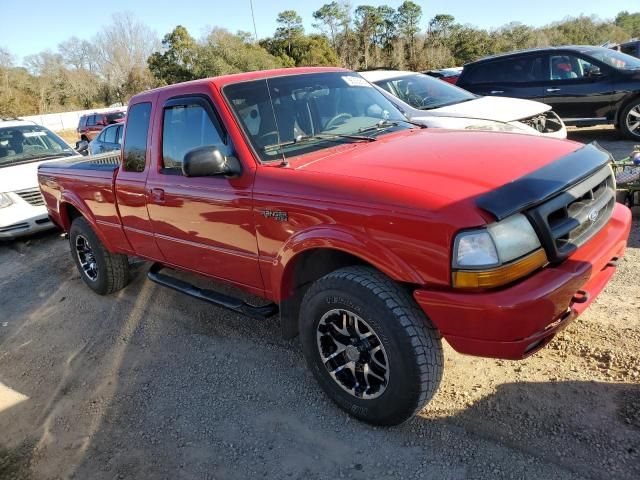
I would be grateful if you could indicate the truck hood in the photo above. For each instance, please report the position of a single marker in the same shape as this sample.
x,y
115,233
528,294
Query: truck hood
x,y
499,109
23,176
440,168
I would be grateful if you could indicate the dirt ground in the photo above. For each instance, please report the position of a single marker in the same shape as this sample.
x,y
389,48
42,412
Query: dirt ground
x,y
148,383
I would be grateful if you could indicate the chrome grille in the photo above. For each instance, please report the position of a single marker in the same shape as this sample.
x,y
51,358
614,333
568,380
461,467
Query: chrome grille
x,y
32,196
570,219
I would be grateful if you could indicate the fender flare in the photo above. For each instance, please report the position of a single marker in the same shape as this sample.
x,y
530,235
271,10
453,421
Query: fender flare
x,y
349,241
70,198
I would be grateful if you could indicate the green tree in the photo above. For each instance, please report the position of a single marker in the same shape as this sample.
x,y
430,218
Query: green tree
x,y
408,23
225,52
367,24
177,62
289,29
318,52
329,18
629,22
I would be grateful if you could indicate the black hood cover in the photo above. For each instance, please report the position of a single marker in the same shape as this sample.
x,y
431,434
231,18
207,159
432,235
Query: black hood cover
x,y
538,186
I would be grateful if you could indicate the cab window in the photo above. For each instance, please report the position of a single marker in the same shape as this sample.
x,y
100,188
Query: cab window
x,y
110,135
188,126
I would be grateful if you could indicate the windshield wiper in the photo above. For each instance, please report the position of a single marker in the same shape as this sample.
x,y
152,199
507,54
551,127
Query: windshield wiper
x,y
318,136
380,125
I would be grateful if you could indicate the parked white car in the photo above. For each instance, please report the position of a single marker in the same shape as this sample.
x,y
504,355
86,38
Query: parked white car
x,y
434,103
23,146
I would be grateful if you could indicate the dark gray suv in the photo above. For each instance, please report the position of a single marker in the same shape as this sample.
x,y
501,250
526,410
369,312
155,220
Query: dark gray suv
x,y
584,85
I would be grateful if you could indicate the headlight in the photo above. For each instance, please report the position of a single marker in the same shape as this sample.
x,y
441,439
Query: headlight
x,y
496,255
5,200
494,127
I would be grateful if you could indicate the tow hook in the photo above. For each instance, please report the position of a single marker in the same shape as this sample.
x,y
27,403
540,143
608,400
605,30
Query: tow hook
x,y
613,262
580,296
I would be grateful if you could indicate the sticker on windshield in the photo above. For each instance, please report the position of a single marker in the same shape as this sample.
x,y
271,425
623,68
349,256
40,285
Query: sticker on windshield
x,y
356,82
35,134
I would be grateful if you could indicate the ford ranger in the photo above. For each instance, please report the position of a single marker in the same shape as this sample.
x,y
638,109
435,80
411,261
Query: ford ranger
x,y
372,238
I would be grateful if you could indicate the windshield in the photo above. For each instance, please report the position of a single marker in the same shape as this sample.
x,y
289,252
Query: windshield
x,y
29,143
424,92
296,114
614,58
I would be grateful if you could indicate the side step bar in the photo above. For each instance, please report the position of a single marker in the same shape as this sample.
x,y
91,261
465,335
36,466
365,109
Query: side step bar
x,y
218,299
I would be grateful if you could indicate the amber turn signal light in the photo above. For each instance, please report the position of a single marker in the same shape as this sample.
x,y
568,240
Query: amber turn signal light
x,y
502,275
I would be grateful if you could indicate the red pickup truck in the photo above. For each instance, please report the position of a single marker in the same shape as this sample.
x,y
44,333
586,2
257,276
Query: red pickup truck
x,y
371,237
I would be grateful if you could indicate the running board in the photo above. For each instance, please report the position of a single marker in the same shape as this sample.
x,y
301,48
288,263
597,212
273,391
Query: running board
x,y
218,299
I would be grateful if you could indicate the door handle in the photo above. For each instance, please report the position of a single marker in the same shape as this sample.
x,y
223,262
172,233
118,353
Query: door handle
x,y
157,194
493,92
553,89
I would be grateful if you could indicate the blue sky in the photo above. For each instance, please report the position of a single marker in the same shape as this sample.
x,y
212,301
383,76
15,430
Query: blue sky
x,y
31,26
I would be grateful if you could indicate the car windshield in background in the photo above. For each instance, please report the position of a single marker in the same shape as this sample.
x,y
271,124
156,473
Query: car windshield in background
x,y
29,143
616,59
112,117
424,92
292,115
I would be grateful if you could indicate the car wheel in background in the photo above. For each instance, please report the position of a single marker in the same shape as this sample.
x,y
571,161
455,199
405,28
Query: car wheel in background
x,y
370,346
102,271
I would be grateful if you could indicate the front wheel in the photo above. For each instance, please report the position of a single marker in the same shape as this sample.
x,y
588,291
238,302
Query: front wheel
x,y
369,345
630,120
102,271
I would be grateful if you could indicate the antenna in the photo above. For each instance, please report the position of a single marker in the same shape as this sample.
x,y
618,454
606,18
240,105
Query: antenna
x,y
253,17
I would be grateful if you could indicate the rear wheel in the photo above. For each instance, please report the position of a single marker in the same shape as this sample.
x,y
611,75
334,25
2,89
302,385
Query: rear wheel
x,y
102,271
370,346
630,120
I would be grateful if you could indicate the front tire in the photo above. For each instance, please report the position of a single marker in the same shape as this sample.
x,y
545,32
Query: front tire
x,y
630,120
370,346
102,271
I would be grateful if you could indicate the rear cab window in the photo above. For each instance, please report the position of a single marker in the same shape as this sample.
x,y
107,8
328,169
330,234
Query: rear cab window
x,y
135,147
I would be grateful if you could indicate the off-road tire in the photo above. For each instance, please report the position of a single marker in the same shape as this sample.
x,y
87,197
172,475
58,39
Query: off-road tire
x,y
112,268
624,129
412,344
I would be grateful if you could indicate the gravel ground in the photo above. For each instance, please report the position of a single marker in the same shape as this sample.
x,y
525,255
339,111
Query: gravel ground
x,y
148,383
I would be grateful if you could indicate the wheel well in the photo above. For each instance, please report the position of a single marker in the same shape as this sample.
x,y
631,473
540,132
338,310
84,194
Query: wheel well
x,y
71,214
302,271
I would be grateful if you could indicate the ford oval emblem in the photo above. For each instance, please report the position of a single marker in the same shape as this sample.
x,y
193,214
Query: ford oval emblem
x,y
593,215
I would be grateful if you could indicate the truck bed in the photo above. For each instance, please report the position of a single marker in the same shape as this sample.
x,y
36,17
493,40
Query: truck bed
x,y
83,181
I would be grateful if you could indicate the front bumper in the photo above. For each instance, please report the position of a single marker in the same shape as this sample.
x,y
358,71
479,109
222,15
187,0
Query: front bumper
x,y
24,226
517,321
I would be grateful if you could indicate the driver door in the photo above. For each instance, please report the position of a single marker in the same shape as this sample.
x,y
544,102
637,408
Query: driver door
x,y
203,224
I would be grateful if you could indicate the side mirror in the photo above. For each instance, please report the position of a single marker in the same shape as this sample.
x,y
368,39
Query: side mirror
x,y
595,72
82,147
208,161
